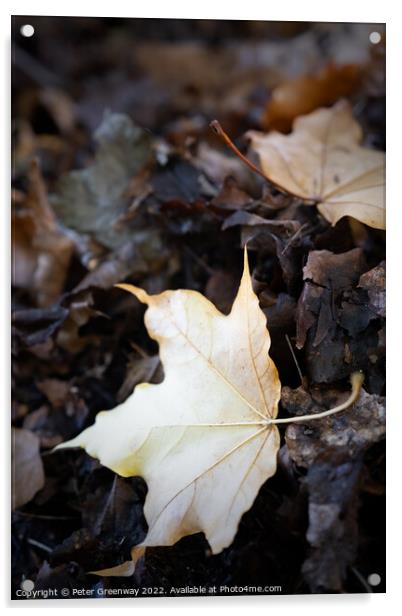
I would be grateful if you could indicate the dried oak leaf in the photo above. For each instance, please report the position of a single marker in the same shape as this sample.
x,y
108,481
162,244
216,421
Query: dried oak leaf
x,y
322,161
201,438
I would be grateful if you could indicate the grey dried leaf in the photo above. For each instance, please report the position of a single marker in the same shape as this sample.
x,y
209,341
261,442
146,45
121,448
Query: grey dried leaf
x,y
92,200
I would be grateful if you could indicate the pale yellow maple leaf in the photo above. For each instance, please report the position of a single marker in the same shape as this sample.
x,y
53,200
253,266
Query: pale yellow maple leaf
x,y
201,439
322,161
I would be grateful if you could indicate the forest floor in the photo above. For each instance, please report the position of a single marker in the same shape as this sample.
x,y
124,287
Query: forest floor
x,y
117,176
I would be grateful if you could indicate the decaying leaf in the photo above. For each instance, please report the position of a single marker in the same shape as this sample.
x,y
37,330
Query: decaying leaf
x,y
92,200
42,252
374,283
303,94
202,438
28,473
332,453
322,162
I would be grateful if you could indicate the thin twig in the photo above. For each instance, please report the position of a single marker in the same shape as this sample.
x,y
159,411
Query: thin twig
x,y
45,517
40,545
294,236
361,579
37,72
302,379
198,260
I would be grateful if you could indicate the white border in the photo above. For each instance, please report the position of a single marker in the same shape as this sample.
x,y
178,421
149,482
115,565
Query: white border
x,y
305,10
308,10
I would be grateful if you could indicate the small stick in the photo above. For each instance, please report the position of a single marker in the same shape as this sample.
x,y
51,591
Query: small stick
x,y
139,350
361,579
294,236
40,545
302,379
356,380
217,128
198,260
44,517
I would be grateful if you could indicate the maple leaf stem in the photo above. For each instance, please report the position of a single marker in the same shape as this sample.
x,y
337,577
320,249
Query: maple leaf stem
x,y
217,128
265,422
356,379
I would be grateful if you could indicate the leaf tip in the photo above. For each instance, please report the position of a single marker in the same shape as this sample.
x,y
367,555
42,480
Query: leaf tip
x,y
136,291
246,277
74,442
126,569
246,267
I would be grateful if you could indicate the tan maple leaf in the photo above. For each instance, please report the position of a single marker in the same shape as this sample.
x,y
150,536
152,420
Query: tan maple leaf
x,y
322,161
204,439
201,439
